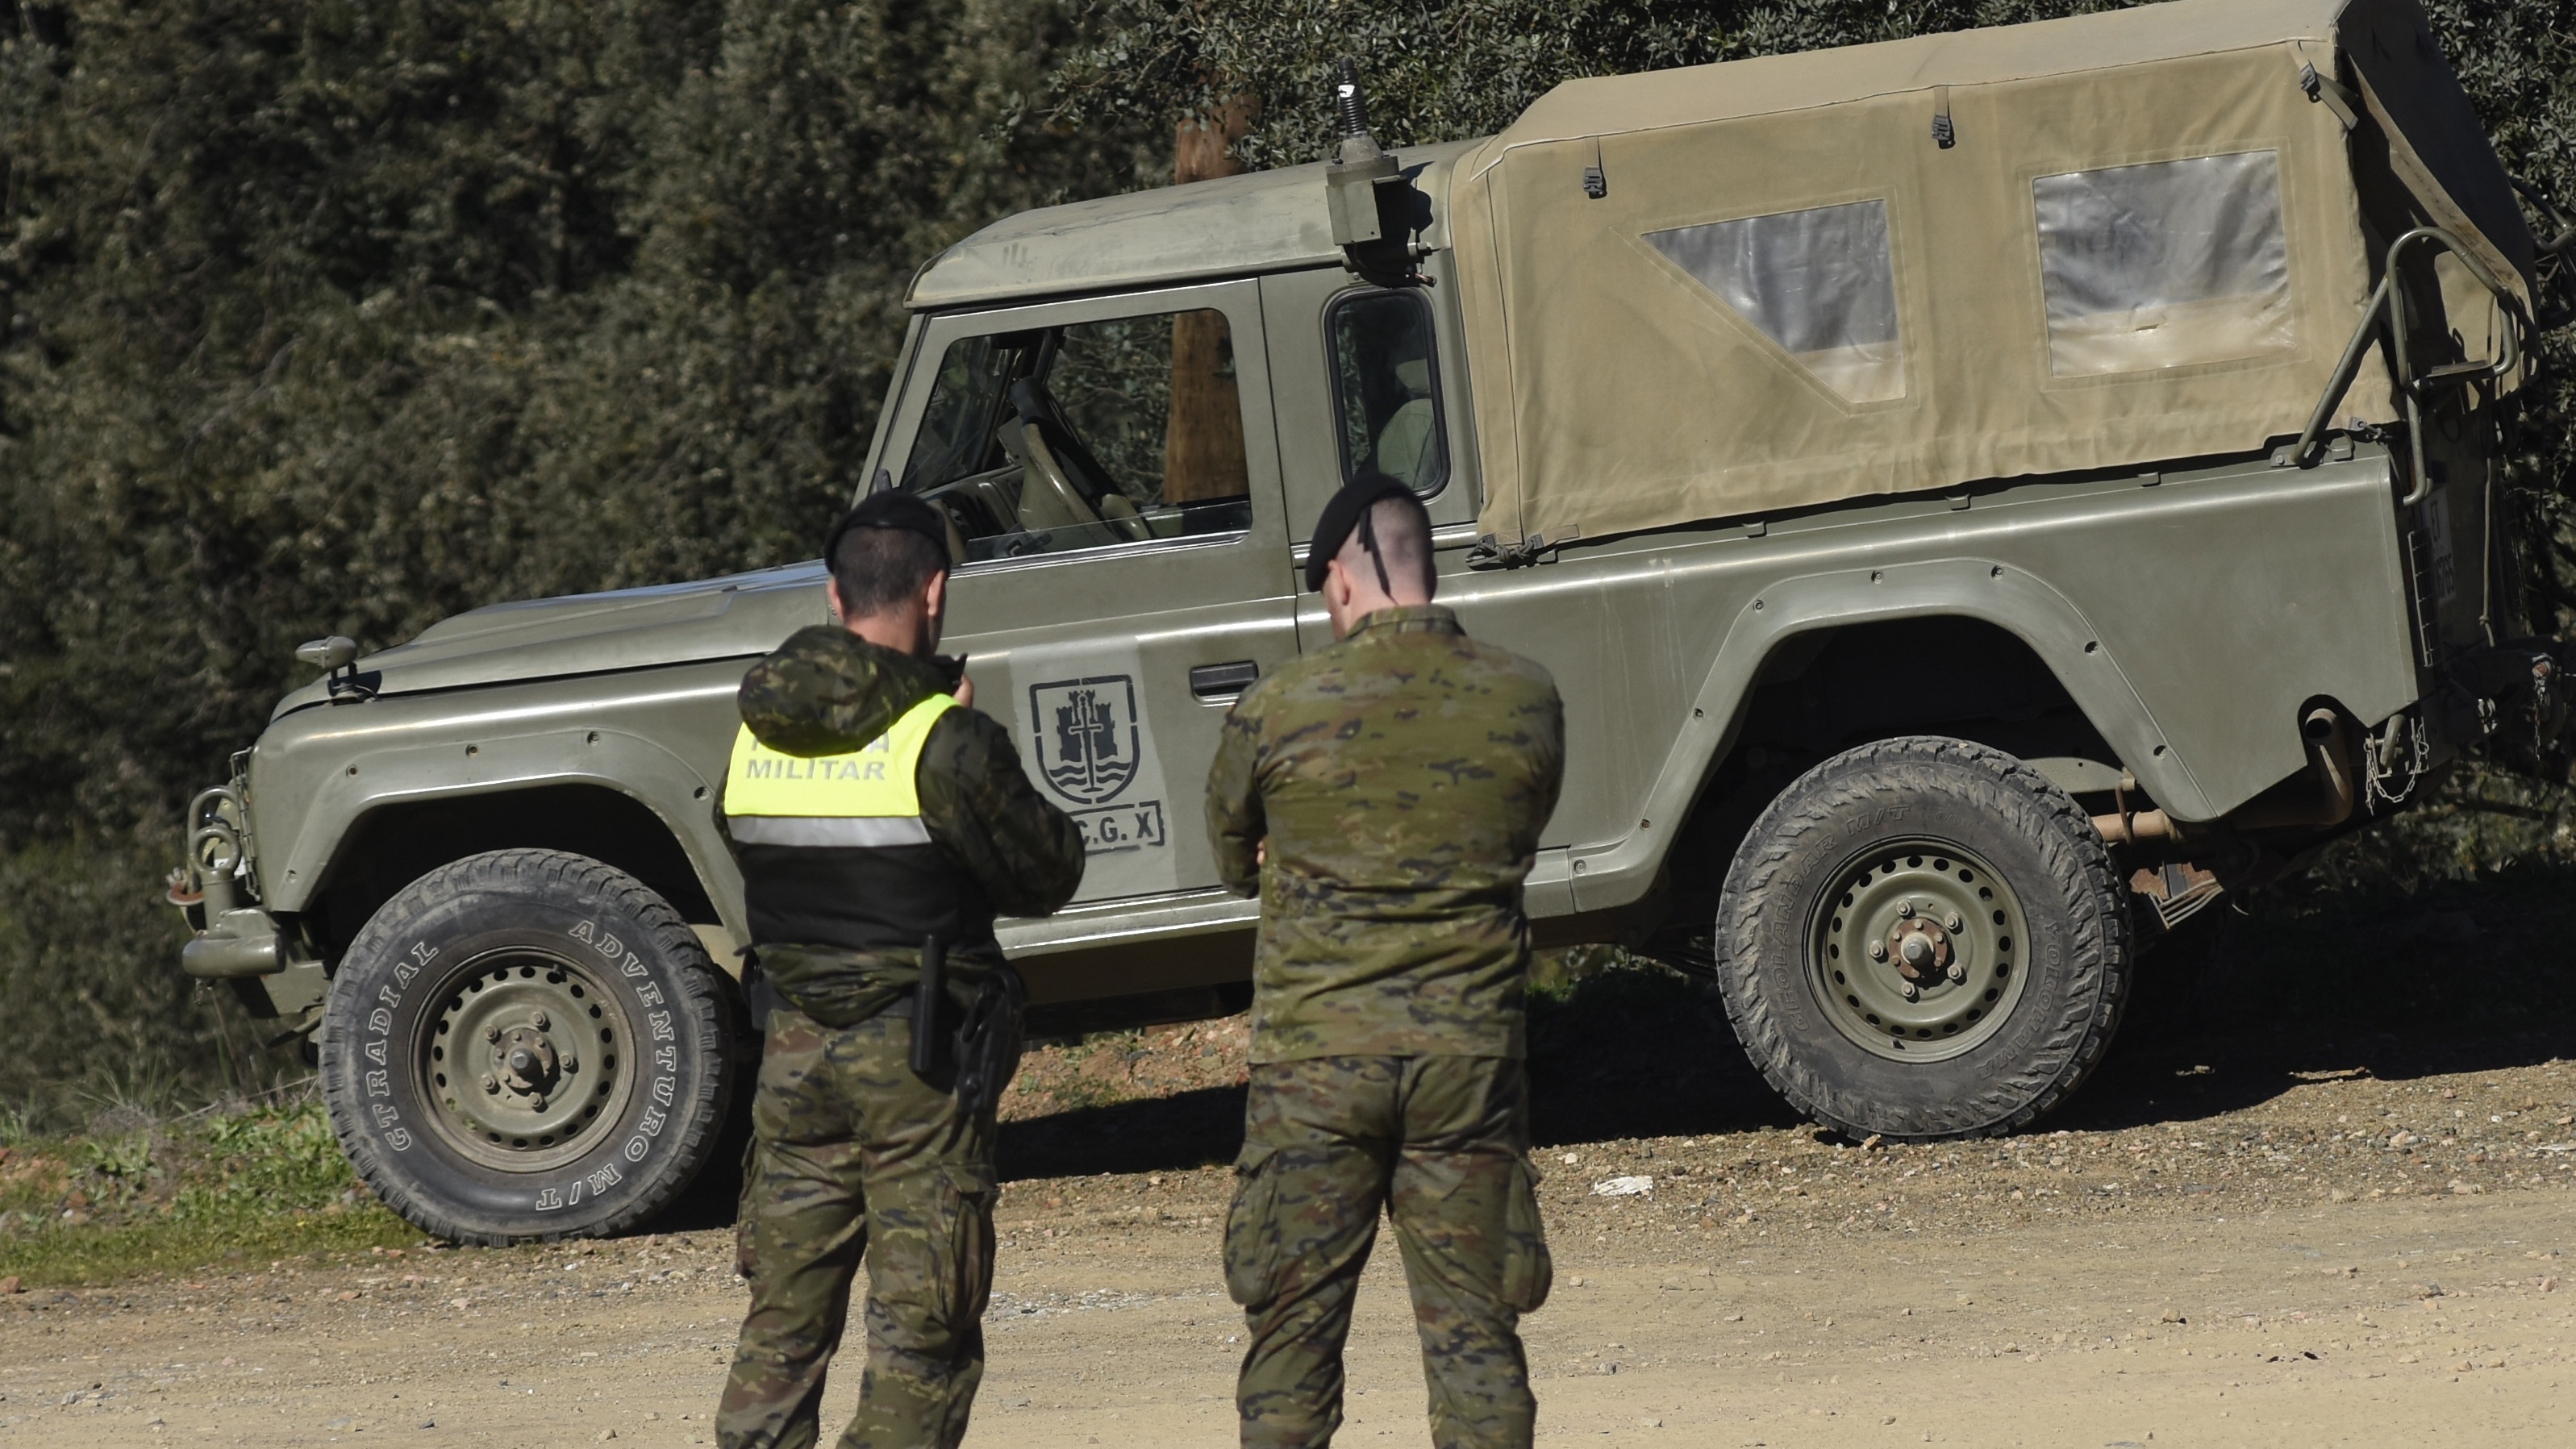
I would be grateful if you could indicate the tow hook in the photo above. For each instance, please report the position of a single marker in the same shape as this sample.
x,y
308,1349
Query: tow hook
x,y
238,940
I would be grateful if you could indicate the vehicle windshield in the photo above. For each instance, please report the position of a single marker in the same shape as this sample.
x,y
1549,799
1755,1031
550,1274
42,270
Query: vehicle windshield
x,y
1087,435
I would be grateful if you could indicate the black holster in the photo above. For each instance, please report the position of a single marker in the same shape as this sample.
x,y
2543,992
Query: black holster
x,y
979,1056
988,1041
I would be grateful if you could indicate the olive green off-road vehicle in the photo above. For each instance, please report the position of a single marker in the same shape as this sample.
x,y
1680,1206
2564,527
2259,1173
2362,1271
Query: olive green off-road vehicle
x,y
1982,497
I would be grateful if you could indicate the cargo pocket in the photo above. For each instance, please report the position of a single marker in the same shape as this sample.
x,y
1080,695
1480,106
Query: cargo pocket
x,y
1528,1272
1252,1227
963,1240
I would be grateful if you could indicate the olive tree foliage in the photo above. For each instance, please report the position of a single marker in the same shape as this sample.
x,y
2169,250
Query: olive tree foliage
x,y
318,317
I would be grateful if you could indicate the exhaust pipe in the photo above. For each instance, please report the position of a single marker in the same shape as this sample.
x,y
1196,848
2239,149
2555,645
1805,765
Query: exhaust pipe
x,y
2331,771
2331,768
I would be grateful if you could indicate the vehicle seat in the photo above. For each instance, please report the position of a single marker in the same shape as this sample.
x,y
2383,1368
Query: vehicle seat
x,y
1405,448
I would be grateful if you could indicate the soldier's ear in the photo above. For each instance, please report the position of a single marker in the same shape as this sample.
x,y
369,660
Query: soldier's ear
x,y
934,595
832,598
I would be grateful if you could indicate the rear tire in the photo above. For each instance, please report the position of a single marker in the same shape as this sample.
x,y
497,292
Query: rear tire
x,y
1923,938
528,1045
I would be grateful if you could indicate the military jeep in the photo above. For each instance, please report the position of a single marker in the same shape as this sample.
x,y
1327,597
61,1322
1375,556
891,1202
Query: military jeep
x,y
1982,497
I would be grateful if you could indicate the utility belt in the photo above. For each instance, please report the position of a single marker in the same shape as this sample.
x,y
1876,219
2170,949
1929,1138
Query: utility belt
x,y
972,1053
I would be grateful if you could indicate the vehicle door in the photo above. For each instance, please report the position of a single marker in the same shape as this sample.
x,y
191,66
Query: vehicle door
x,y
1110,470
1374,378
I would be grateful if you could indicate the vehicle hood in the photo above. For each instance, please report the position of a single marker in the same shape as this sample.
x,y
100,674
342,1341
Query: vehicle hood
x,y
740,616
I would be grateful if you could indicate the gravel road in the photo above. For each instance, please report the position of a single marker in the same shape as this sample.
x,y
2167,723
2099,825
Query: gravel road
x,y
2341,1259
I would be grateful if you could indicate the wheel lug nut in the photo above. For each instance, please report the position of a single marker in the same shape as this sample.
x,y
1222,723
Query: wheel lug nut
x,y
541,1022
569,1064
1905,910
492,1034
1958,973
1878,950
537,1103
491,1083
1955,923
1910,992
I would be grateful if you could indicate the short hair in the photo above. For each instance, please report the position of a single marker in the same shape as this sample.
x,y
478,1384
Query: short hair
x,y
1401,527
877,568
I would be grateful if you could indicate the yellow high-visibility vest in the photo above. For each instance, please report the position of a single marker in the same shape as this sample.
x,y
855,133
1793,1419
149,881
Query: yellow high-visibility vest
x,y
866,797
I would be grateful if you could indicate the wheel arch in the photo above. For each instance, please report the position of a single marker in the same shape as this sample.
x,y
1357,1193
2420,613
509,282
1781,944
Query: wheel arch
x,y
394,841
1806,613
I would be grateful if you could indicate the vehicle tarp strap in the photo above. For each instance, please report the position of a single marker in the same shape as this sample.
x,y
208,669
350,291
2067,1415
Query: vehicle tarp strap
x,y
867,797
2145,243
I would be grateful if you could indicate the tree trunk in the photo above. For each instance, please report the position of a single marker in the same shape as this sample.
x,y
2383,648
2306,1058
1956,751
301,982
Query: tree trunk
x,y
1203,438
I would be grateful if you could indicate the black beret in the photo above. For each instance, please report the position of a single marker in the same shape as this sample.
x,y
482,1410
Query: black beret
x,y
891,510
1342,514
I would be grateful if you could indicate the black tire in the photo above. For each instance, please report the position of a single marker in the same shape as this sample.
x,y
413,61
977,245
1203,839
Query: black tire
x,y
1978,873
528,1045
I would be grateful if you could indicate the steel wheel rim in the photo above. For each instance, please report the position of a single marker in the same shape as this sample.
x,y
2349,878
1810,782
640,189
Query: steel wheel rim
x,y
524,1063
1930,905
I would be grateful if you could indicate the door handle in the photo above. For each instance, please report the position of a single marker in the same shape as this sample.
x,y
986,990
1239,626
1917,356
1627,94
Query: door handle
x,y
1215,681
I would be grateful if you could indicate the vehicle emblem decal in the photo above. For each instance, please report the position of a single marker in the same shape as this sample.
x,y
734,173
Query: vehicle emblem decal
x,y
1088,744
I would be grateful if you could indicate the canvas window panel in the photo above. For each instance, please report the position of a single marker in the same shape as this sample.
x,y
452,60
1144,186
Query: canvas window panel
x,y
1818,282
2164,265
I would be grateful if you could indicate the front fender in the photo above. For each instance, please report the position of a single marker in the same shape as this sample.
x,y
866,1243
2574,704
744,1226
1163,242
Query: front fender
x,y
658,737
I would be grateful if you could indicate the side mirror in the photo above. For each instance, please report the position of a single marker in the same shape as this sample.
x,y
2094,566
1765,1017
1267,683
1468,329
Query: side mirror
x,y
339,654
333,653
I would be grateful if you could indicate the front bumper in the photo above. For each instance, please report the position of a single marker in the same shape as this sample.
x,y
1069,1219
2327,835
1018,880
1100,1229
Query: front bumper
x,y
235,945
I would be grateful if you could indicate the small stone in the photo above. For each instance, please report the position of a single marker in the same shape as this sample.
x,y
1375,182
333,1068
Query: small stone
x,y
606,1434
11,1284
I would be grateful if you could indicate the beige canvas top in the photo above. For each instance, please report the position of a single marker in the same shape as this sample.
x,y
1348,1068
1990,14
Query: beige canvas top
x,y
2147,241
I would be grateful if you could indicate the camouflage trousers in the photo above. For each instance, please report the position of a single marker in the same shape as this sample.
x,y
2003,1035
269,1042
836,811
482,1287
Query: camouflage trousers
x,y
1440,1144
855,1157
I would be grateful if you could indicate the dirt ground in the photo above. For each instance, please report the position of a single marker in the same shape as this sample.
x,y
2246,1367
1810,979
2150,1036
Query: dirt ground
x,y
2322,1193
2333,1257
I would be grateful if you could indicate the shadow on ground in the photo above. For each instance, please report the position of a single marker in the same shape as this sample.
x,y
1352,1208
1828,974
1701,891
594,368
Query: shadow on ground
x,y
2310,984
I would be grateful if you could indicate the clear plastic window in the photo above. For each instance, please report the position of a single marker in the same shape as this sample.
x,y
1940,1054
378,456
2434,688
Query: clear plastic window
x,y
2164,265
1386,389
1818,282
1085,436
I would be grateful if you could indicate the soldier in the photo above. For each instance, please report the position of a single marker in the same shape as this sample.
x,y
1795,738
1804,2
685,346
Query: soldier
x,y
881,822
1385,796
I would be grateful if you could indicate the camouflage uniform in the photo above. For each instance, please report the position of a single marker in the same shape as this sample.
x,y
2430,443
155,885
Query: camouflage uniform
x,y
1399,781
852,1154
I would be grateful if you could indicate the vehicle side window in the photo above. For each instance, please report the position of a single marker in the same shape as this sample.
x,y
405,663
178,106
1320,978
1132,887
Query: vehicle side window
x,y
1386,388
2164,265
1087,435
1818,282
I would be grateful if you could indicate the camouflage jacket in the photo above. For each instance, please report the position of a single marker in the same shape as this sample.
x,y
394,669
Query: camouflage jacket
x,y
1399,780
826,691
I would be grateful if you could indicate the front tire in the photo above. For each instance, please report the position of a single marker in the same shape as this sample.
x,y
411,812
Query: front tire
x,y
528,1045
1923,938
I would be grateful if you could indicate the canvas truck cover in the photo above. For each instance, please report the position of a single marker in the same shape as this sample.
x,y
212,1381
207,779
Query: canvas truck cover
x,y
2080,244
